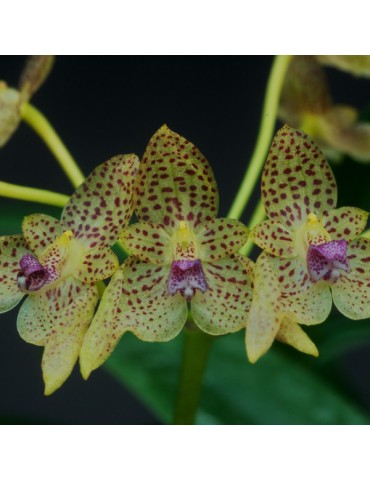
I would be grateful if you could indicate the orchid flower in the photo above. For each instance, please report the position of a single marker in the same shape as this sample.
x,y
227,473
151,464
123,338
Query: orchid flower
x,y
312,247
58,264
34,74
182,256
306,104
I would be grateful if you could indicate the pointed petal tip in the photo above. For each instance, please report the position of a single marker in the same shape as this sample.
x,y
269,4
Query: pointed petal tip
x,y
85,371
86,367
50,387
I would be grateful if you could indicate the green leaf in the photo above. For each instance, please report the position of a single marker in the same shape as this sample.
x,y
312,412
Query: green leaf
x,y
276,390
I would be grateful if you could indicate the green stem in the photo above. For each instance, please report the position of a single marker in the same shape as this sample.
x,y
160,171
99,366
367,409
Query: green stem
x,y
43,128
366,233
258,216
32,194
194,360
266,131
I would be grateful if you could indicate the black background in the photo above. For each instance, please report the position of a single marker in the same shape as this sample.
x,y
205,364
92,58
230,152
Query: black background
x,y
103,106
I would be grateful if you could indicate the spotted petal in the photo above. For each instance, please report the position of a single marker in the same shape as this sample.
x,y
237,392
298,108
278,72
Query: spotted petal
x,y
98,264
346,223
9,112
283,293
104,332
40,231
264,317
175,182
149,242
102,206
148,310
351,292
223,307
41,310
292,334
144,308
64,342
34,322
220,237
306,302
12,249
297,180
274,238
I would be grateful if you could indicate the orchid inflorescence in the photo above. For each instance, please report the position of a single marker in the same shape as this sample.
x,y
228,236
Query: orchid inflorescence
x,y
184,265
183,261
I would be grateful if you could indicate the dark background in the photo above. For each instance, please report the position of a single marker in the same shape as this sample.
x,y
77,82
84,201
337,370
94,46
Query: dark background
x,y
103,106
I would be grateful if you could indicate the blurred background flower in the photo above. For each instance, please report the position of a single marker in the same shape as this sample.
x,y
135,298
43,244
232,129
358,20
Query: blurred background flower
x,y
307,104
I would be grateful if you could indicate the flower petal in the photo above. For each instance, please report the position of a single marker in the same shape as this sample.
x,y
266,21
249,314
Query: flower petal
x,y
41,310
283,292
220,237
12,249
102,206
35,73
306,302
358,256
351,292
292,334
224,306
40,231
55,257
98,264
355,64
33,321
148,241
175,182
136,300
305,90
296,180
274,238
345,223
9,112
64,342
340,130
352,297
148,309
264,317
103,333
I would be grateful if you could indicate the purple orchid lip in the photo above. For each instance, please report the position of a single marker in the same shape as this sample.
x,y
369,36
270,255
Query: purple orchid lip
x,y
32,275
327,260
186,276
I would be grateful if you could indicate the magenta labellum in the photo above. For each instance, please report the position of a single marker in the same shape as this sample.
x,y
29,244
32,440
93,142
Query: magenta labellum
x,y
185,277
32,275
327,261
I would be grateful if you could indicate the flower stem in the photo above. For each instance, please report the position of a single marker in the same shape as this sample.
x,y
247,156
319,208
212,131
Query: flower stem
x,y
269,114
43,128
197,346
258,216
32,194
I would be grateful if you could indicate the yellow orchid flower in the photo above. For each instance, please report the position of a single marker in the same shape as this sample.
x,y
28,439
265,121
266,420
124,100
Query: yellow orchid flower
x,y
312,250
182,255
58,263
